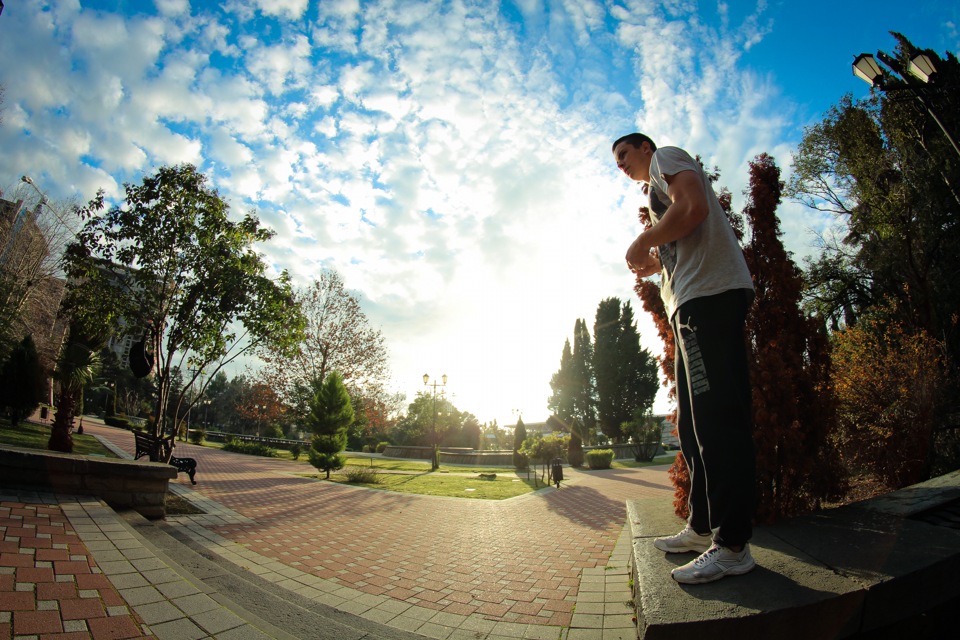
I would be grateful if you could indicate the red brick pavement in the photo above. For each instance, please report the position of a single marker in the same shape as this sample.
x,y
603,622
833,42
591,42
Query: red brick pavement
x,y
49,581
516,560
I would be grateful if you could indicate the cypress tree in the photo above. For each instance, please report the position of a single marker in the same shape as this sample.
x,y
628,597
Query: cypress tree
x,y
794,407
21,381
330,414
519,435
626,375
583,390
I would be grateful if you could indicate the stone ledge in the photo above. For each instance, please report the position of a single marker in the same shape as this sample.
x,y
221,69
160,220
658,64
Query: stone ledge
x,y
830,574
120,483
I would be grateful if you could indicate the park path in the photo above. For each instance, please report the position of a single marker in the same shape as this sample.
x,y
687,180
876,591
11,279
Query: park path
x,y
517,560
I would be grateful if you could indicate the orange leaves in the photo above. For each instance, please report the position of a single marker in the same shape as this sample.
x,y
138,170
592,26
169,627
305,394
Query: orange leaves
x,y
887,380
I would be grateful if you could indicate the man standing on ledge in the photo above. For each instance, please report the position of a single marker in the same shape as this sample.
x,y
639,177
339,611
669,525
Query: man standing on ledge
x,y
706,289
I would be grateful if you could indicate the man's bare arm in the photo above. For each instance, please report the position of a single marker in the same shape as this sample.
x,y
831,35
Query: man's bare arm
x,y
688,209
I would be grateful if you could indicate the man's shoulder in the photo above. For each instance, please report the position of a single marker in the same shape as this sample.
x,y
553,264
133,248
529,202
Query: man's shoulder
x,y
669,161
672,155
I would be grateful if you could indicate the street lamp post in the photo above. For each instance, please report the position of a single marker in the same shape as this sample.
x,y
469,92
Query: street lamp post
x,y
435,457
916,78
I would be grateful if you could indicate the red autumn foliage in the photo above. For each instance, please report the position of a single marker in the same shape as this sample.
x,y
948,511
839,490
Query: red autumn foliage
x,y
889,378
649,294
794,407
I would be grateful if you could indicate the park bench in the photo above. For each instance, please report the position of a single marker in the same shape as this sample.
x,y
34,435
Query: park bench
x,y
161,450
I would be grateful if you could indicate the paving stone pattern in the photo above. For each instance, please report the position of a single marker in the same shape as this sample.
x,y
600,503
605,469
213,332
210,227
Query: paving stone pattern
x,y
527,567
51,585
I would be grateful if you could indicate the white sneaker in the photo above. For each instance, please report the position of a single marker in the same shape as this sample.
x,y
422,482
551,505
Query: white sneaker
x,y
686,540
715,563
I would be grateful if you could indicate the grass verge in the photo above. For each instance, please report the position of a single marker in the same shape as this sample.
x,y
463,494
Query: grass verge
x,y
448,485
35,436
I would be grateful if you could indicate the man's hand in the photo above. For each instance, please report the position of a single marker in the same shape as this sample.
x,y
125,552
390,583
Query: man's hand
x,y
642,259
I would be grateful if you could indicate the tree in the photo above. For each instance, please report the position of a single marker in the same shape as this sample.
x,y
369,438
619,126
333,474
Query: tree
x,y
888,383
131,394
583,387
22,381
260,408
645,432
185,275
560,401
573,400
76,367
519,436
887,173
543,450
376,415
626,374
794,407
330,413
337,336
92,313
33,235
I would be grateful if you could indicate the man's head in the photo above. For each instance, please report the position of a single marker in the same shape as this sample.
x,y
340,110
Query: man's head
x,y
632,153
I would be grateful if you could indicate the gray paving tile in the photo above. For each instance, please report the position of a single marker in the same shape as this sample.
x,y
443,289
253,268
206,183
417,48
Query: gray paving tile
x,y
217,621
181,629
157,612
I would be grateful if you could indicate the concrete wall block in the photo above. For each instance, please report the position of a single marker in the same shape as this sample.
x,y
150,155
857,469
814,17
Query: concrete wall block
x,y
122,483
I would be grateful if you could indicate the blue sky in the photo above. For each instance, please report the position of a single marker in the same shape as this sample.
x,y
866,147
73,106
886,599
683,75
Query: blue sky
x,y
450,159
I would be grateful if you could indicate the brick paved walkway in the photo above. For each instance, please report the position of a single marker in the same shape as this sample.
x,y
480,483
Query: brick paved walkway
x,y
51,586
436,566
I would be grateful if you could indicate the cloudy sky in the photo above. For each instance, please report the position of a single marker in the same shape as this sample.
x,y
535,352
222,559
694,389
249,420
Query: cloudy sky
x,y
450,159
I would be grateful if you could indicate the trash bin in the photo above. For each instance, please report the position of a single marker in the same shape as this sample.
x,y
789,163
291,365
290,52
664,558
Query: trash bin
x,y
556,471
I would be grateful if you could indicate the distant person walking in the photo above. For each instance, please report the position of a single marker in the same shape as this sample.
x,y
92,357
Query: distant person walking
x,y
706,289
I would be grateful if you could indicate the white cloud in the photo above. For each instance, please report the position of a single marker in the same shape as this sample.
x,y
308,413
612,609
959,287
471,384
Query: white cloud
x,y
453,165
172,8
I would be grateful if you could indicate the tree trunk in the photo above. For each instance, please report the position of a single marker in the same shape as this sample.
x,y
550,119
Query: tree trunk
x,y
60,438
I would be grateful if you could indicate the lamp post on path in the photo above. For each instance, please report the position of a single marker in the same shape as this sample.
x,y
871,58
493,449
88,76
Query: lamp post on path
x,y
435,456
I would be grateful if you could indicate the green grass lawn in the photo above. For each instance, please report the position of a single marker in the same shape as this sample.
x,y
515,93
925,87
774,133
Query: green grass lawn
x,y
35,436
454,485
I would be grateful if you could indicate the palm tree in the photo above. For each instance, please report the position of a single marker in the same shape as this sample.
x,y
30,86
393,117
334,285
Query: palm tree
x,y
75,368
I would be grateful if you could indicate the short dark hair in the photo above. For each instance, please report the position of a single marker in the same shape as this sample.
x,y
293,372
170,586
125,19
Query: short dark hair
x,y
635,140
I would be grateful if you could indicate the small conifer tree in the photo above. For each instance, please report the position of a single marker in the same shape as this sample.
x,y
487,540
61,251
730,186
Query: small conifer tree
x,y
519,435
331,413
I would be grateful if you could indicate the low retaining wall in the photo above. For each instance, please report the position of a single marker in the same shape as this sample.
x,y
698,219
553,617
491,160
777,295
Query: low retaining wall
x,y
453,455
485,458
479,458
141,486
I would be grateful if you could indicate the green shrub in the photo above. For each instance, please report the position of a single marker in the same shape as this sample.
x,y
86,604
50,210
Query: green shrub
x,y
362,475
520,462
296,449
600,458
196,436
365,449
381,447
249,448
117,421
